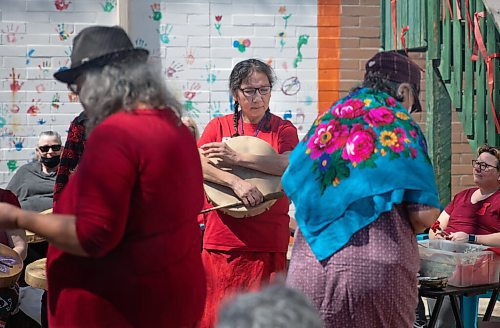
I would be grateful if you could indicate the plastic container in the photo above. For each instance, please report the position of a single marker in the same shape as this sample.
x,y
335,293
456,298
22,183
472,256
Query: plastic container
x,y
464,264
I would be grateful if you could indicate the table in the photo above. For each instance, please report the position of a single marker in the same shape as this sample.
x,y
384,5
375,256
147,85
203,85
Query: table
x,y
453,293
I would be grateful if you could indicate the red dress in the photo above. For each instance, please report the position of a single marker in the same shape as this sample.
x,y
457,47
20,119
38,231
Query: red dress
x,y
244,254
135,195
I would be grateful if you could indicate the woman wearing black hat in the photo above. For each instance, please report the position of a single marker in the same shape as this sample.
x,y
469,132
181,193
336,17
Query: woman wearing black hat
x,y
124,238
362,184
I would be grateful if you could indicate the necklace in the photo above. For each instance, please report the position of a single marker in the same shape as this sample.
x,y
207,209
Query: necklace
x,y
264,119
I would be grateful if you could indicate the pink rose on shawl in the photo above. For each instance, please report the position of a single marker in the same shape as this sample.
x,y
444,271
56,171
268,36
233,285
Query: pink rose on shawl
x,y
413,152
413,134
379,116
391,102
349,109
360,145
327,138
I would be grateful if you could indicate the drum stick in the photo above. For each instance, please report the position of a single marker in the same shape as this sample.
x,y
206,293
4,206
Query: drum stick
x,y
271,196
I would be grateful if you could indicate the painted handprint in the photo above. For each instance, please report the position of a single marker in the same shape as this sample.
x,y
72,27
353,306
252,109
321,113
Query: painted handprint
x,y
164,32
56,101
12,165
190,90
157,15
302,41
108,5
35,107
211,77
15,86
173,69
11,33
44,67
215,109
63,32
140,43
18,143
61,4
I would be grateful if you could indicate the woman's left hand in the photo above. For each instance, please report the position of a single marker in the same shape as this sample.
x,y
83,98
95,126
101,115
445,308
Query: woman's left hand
x,y
220,150
459,236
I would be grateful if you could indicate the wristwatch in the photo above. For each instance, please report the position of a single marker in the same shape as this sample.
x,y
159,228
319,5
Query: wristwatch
x,y
472,238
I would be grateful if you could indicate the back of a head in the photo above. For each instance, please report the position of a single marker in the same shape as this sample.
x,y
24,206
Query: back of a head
x,y
274,307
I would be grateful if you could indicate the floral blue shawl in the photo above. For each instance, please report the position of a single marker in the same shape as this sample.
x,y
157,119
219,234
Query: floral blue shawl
x,y
359,158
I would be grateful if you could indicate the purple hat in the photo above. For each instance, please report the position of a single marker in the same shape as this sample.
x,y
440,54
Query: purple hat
x,y
397,68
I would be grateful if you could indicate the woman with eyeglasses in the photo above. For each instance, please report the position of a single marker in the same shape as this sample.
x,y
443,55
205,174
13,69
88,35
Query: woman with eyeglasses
x,y
33,183
473,216
243,254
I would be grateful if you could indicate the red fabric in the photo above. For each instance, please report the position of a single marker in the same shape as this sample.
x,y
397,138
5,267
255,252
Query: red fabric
x,y
266,232
231,272
482,218
135,194
7,196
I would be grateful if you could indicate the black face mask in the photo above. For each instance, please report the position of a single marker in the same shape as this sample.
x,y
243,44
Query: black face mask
x,y
50,162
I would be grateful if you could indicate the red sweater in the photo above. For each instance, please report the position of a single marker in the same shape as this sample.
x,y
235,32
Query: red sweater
x,y
135,195
482,218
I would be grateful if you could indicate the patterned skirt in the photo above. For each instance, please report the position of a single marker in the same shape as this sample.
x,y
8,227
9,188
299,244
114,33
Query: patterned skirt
x,y
370,282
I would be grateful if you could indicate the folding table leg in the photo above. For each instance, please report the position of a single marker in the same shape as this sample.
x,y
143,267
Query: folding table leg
x,y
435,311
456,313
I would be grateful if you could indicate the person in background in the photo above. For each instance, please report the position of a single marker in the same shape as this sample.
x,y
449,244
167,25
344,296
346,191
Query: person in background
x,y
273,307
473,216
245,254
72,152
9,296
124,240
191,124
363,185
33,183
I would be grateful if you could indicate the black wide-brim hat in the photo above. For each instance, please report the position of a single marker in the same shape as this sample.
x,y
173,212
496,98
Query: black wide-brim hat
x,y
97,46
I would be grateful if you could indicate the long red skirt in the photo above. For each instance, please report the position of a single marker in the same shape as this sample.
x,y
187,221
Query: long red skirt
x,y
231,272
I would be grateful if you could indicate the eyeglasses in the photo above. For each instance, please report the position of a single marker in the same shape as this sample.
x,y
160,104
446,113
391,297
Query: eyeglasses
x,y
250,92
46,148
482,165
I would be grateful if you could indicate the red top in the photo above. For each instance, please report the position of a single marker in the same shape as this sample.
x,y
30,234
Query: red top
x,y
7,196
135,195
266,232
482,218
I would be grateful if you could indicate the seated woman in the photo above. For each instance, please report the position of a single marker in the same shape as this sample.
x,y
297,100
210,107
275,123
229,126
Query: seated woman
x,y
33,183
473,216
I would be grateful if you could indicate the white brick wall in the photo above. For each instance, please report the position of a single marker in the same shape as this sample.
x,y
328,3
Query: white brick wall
x,y
35,40
184,37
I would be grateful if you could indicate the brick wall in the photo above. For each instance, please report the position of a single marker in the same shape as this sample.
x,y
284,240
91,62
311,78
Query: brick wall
x,y
359,40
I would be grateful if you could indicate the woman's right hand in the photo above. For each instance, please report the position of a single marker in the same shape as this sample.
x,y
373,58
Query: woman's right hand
x,y
248,193
8,216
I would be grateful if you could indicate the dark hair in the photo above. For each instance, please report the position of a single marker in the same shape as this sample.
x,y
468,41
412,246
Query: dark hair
x,y
239,74
495,151
376,81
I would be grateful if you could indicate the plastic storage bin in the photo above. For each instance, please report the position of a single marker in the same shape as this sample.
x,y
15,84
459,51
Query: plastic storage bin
x,y
463,264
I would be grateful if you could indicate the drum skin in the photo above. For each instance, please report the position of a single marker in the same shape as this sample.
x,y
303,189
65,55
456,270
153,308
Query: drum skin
x,y
266,183
36,275
11,266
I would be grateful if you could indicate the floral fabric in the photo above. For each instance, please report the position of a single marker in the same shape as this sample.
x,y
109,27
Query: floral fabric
x,y
359,158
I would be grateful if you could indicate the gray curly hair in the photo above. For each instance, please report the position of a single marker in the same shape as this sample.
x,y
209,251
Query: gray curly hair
x,y
121,86
274,307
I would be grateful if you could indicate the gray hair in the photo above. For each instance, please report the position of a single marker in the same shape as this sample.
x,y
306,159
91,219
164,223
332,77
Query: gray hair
x,y
50,134
274,307
121,86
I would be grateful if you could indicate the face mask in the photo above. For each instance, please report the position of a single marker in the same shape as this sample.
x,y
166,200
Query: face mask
x,y
50,162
